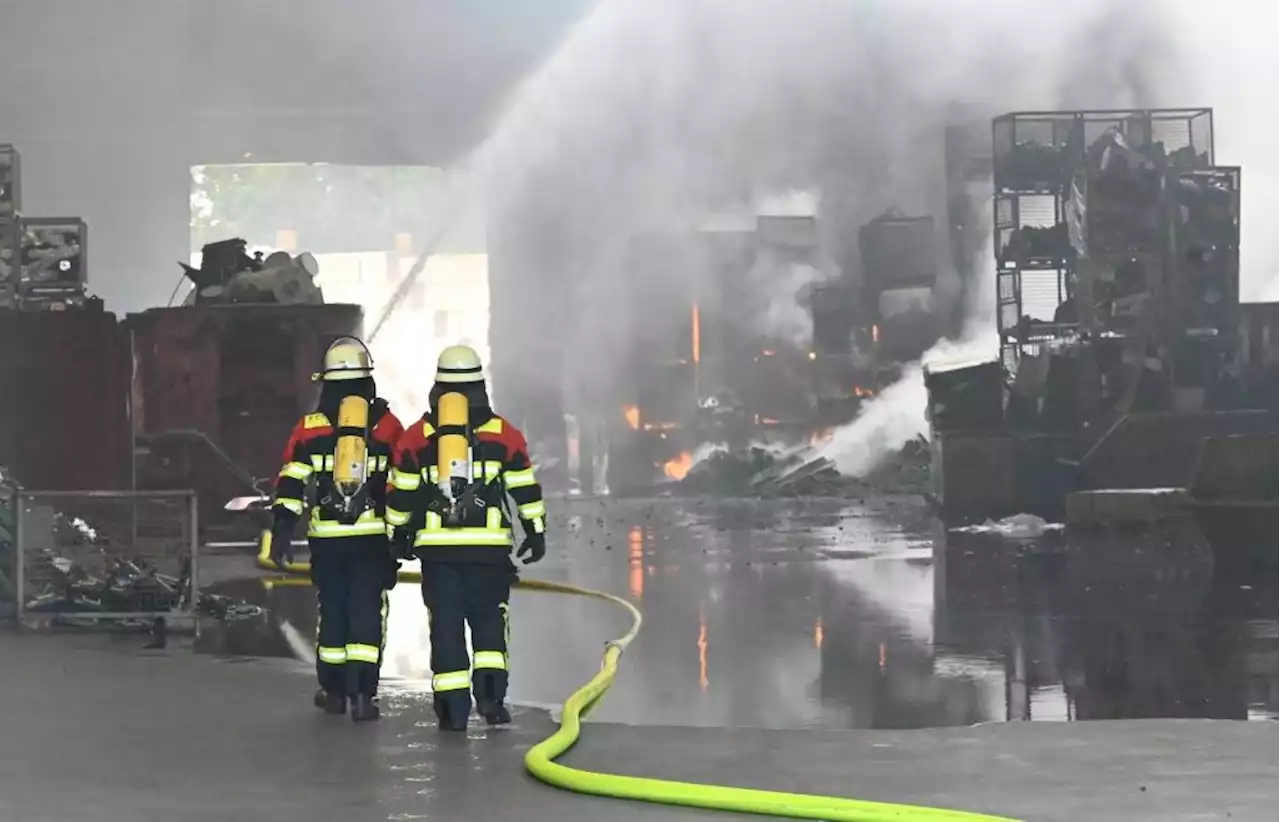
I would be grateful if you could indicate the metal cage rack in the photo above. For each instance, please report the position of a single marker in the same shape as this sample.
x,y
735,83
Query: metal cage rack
x,y
1046,164
43,260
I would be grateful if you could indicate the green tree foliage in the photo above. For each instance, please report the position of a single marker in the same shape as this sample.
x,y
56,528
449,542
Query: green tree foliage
x,y
333,209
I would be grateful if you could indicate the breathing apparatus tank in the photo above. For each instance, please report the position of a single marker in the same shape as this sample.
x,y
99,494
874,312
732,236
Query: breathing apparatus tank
x,y
453,456
351,449
348,359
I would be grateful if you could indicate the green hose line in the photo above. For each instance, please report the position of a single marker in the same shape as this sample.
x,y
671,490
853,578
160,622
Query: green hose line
x,y
540,759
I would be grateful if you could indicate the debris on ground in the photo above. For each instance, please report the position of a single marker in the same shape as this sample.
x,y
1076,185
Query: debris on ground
x,y
1018,526
77,576
800,472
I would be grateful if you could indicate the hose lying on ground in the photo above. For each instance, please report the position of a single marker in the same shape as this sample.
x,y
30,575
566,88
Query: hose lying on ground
x,y
540,759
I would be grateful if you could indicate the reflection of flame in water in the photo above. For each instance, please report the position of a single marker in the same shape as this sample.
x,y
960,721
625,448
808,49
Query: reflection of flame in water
x,y
703,681
678,468
632,413
635,555
817,633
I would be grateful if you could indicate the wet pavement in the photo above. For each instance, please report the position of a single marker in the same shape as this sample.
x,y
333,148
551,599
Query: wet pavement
x,y
786,615
829,614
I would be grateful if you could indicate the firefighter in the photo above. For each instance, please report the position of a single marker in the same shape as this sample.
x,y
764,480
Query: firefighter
x,y
345,446
447,505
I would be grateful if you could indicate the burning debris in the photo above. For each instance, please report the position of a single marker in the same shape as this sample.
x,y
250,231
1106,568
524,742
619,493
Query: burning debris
x,y
793,472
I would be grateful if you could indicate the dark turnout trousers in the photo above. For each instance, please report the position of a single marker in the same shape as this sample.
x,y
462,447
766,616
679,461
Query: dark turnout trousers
x,y
458,594
350,575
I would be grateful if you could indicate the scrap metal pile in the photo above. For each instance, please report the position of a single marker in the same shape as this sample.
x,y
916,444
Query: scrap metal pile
x,y
227,274
117,585
72,569
803,472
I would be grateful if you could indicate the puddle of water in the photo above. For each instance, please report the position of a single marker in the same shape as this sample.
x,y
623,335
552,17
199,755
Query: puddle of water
x,y
825,614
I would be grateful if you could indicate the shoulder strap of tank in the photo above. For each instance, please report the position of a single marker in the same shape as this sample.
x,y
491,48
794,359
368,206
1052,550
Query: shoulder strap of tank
x,y
377,410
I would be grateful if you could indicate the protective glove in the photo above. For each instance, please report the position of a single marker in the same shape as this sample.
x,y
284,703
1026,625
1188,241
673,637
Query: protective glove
x,y
535,545
282,543
402,544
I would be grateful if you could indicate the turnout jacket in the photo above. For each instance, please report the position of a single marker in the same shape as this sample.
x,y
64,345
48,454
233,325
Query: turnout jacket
x,y
500,466
309,456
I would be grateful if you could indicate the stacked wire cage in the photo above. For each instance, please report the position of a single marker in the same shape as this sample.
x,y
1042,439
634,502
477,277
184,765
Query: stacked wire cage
x,y
1071,186
10,226
1033,156
42,259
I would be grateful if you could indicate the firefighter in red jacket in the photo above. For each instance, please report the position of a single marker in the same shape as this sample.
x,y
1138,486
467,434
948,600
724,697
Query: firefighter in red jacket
x,y
447,505
345,447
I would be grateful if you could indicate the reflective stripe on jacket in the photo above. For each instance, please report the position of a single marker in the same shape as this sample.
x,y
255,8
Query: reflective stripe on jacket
x,y
308,457
500,465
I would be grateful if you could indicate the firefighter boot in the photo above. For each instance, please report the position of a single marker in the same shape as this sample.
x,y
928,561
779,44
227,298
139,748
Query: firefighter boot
x,y
363,708
452,710
488,703
330,703
495,713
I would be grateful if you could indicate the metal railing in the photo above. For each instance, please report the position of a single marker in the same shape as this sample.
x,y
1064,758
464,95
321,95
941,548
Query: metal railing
x,y
106,555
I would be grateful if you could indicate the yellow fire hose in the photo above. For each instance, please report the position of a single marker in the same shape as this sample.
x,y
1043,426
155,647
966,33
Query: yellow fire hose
x,y
540,759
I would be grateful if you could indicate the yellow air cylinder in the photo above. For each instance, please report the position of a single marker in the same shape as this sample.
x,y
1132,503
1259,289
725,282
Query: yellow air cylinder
x,y
453,459
350,453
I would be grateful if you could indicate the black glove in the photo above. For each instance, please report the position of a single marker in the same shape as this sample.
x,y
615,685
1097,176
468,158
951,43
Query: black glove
x,y
535,545
402,544
282,543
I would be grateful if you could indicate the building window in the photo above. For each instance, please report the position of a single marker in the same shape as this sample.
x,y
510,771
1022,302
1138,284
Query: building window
x,y
440,324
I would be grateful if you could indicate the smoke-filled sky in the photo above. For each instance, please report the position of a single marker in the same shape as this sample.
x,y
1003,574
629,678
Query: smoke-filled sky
x,y
647,106
656,111
654,105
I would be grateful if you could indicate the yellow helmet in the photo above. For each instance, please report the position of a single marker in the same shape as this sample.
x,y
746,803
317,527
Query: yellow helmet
x,y
459,363
346,359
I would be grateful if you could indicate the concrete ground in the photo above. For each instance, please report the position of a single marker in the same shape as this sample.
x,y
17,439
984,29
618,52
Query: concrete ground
x,y
829,646
94,729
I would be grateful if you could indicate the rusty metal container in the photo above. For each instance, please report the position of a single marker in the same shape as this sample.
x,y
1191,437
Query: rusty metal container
x,y
217,389
64,422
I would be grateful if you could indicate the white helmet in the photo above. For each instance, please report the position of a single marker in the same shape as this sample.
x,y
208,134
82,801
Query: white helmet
x,y
346,359
459,364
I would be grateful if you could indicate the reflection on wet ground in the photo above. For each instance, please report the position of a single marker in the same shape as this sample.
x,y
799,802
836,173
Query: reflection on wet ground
x,y
823,613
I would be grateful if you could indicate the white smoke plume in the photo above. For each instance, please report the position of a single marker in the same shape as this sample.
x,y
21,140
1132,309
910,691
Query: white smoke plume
x,y
654,113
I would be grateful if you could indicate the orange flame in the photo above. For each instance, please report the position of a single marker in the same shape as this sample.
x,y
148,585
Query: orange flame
x,y
678,468
703,680
821,436
859,391
696,341
632,413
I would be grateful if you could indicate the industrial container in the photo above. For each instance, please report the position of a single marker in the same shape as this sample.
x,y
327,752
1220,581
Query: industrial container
x,y
218,388
64,408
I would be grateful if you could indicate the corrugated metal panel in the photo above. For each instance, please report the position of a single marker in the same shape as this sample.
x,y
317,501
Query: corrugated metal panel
x,y
63,408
